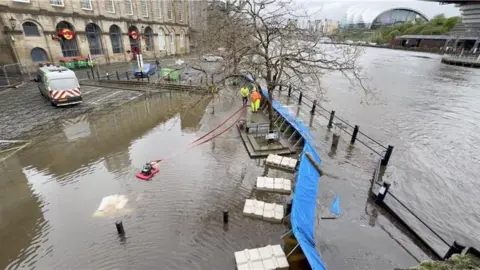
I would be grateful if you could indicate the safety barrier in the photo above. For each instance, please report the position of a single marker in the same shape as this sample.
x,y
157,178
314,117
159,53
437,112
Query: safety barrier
x,y
305,195
315,109
379,190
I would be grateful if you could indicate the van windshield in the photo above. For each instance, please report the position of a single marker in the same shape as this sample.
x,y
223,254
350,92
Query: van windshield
x,y
63,84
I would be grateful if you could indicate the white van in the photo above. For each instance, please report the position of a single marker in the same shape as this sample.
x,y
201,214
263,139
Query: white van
x,y
59,85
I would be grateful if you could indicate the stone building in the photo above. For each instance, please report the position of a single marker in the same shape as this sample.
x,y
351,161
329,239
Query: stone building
x,y
109,30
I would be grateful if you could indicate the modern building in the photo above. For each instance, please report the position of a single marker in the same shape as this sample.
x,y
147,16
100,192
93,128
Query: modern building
x,y
109,30
369,15
470,11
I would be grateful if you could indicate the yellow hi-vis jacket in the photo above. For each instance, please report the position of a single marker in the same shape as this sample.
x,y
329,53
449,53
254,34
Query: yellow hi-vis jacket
x,y
244,91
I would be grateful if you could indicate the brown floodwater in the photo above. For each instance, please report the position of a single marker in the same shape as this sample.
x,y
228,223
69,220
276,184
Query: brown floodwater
x,y
50,190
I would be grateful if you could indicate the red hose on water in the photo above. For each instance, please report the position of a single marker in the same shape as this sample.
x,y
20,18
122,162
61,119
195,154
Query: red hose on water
x,y
194,143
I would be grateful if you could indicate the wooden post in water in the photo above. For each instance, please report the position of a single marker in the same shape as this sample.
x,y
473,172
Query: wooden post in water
x,y
354,135
300,98
314,106
289,90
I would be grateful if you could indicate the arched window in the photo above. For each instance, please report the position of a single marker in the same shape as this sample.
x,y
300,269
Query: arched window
x,y
116,39
148,35
161,39
94,38
172,42
39,55
182,39
69,46
30,29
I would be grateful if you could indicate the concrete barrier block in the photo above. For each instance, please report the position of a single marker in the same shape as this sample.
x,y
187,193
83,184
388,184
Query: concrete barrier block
x,y
278,185
261,183
249,208
269,184
254,255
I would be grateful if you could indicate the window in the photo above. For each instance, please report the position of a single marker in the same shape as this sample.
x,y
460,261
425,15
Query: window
x,y
94,38
69,47
63,84
86,4
148,35
182,39
39,55
157,8
128,7
172,42
116,39
161,39
144,7
57,3
30,29
179,9
169,9
110,6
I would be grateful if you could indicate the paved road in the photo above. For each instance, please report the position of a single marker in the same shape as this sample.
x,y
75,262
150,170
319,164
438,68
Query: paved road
x,y
25,113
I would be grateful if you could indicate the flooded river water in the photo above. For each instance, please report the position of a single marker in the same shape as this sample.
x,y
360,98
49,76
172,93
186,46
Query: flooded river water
x,y
50,190
430,112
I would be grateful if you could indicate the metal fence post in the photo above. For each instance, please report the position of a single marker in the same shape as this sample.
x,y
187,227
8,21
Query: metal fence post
x,y
280,89
300,98
289,90
312,112
354,135
118,77
382,193
330,121
386,158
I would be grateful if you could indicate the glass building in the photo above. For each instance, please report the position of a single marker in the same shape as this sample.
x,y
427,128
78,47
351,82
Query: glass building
x,y
375,15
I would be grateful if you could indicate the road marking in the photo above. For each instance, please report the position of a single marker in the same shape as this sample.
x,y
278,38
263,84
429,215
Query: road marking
x,y
96,102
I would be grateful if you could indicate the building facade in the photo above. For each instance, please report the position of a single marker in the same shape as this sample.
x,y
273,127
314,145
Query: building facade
x,y
109,30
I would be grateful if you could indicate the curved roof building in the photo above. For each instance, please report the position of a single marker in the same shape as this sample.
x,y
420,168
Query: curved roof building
x,y
370,16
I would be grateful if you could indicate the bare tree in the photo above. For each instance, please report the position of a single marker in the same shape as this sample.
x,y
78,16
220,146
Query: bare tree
x,y
280,53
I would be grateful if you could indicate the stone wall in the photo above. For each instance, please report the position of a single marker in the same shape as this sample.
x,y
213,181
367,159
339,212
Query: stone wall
x,y
46,17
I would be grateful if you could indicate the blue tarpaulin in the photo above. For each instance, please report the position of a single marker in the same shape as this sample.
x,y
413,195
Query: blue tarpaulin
x,y
305,195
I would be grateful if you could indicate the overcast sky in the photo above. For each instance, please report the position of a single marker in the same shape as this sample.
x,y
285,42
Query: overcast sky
x,y
335,10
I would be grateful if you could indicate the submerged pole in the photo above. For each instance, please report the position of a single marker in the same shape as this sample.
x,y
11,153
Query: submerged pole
x,y
119,226
225,216
382,193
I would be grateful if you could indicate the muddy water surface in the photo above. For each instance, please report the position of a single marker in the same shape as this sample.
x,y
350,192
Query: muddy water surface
x,y
50,191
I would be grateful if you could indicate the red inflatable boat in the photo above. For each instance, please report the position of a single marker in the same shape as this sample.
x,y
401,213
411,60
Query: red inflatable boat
x,y
142,176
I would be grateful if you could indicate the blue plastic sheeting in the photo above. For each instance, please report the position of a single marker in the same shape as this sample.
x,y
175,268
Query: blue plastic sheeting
x,y
305,196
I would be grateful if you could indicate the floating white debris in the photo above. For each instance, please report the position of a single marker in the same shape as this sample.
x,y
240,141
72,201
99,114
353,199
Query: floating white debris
x,y
276,185
281,162
264,258
112,205
267,211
